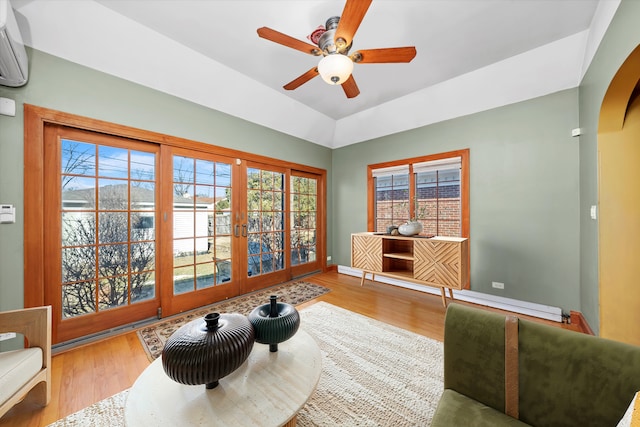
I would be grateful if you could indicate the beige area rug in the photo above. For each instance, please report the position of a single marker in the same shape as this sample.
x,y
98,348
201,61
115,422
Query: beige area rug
x,y
373,374
154,336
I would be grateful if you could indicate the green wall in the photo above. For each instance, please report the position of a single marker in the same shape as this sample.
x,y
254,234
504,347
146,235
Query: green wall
x,y
61,85
524,196
622,37
531,183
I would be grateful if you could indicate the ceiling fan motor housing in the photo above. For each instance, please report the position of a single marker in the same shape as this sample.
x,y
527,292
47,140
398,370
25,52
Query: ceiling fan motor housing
x,y
327,42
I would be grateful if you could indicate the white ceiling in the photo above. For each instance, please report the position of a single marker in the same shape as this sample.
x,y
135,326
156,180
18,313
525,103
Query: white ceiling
x,y
471,55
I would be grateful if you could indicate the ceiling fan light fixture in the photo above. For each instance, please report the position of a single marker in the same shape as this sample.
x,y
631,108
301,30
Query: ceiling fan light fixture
x,y
335,68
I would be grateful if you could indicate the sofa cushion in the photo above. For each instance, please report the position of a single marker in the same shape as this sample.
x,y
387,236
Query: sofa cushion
x,y
455,409
17,367
573,379
474,354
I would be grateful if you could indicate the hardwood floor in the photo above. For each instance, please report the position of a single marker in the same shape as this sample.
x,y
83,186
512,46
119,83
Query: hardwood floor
x,y
87,374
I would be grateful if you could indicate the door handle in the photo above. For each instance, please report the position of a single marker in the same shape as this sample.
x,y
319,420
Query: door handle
x,y
244,230
236,230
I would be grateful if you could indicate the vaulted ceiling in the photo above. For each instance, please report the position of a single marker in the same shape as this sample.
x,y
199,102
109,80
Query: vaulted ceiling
x,y
471,55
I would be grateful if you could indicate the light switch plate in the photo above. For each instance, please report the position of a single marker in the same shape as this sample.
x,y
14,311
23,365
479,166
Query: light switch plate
x,y
7,107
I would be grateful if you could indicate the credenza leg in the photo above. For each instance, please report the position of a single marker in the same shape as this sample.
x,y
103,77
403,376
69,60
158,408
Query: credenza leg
x,y
444,296
451,293
364,273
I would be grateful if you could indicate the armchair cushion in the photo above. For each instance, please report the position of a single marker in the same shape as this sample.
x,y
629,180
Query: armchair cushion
x,y
17,367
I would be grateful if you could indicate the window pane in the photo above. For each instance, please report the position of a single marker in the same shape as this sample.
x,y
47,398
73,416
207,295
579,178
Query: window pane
x,y
113,227
78,158
113,194
78,264
78,193
183,170
143,165
391,200
143,286
113,260
183,280
113,292
204,172
78,299
143,196
78,228
439,206
205,275
142,226
113,162
143,257
223,174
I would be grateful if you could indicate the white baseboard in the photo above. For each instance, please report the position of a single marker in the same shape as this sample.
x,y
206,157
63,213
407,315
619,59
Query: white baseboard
x,y
509,304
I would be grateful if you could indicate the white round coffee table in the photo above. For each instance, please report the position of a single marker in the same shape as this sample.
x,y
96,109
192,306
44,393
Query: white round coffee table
x,y
267,390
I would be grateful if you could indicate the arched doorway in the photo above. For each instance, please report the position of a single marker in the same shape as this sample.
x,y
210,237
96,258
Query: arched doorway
x,y
619,203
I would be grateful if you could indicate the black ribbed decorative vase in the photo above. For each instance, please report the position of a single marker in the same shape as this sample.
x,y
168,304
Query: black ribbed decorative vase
x,y
274,323
207,349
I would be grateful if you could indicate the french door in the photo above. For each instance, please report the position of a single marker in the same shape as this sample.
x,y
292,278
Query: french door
x,y
198,200
135,229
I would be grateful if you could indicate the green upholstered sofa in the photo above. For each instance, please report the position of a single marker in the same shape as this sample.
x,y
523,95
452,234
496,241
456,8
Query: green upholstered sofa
x,y
565,378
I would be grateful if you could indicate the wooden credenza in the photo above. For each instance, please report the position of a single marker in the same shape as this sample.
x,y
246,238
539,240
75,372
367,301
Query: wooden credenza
x,y
442,262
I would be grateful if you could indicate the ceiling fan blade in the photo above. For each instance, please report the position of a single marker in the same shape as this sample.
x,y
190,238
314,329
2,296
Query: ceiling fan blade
x,y
385,55
350,87
352,15
283,39
296,83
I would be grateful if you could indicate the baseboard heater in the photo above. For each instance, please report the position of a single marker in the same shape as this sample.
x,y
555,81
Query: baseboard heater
x,y
87,339
509,304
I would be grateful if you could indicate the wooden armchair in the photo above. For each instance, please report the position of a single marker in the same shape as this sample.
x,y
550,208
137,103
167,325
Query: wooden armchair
x,y
29,369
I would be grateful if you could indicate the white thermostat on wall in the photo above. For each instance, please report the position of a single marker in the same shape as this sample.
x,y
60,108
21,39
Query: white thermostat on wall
x,y
7,214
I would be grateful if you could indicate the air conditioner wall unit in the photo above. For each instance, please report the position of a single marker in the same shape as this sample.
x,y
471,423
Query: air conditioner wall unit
x,y
13,57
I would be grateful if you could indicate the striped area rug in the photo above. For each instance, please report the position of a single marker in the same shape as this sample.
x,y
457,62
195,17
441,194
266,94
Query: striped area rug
x,y
373,374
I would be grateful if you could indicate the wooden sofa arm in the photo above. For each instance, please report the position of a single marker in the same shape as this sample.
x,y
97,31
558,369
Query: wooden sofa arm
x,y
35,325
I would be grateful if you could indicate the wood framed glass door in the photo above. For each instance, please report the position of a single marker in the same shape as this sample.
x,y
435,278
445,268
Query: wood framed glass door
x,y
306,222
198,203
100,236
262,239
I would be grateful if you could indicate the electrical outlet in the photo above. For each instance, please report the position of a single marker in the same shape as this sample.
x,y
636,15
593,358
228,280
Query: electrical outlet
x,y
7,336
497,285
329,258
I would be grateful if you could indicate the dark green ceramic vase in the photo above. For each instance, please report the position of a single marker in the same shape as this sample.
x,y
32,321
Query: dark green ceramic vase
x,y
274,323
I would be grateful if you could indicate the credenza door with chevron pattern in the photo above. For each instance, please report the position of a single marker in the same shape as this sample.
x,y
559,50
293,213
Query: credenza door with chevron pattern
x,y
439,263
366,252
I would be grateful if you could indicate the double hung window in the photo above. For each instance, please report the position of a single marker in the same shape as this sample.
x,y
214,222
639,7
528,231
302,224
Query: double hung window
x,y
433,190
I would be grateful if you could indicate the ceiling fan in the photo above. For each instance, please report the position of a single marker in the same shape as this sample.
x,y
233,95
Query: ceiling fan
x,y
333,44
